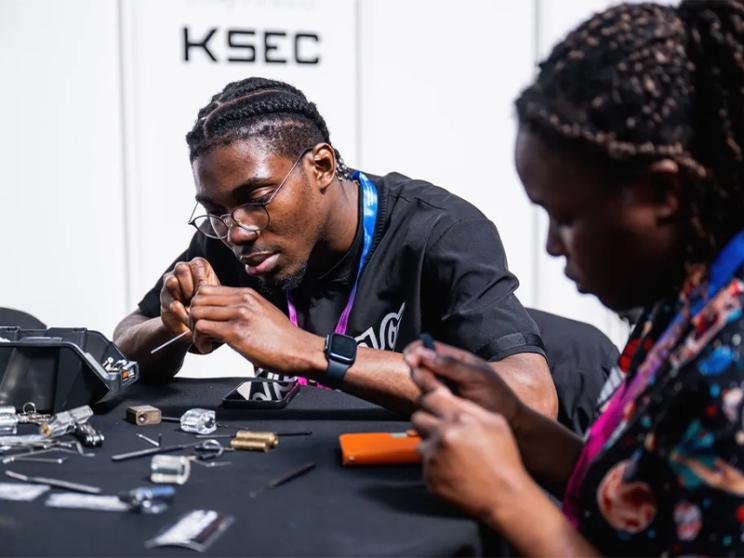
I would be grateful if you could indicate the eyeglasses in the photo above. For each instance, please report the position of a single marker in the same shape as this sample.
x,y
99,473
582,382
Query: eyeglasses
x,y
252,217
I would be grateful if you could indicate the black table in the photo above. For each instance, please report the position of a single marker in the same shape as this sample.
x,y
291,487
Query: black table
x,y
330,511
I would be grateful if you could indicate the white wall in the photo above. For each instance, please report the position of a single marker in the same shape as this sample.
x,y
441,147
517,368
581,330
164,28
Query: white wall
x,y
62,236
436,103
93,148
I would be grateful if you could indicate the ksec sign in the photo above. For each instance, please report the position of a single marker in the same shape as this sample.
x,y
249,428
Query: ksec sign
x,y
247,45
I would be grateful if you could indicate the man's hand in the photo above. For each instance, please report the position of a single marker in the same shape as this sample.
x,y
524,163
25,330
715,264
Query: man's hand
x,y
470,456
472,378
254,327
179,288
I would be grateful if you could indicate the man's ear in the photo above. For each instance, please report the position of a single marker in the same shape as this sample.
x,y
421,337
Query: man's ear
x,y
324,165
659,186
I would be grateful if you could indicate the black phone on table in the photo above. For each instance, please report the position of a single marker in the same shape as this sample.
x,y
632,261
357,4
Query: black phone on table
x,y
261,393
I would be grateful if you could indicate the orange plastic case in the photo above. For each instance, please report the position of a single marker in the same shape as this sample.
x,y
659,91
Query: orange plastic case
x,y
379,448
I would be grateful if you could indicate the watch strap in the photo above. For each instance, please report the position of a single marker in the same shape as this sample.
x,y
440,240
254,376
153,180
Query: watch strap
x,y
334,376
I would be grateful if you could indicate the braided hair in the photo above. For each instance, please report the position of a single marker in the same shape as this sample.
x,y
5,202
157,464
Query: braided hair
x,y
643,82
261,108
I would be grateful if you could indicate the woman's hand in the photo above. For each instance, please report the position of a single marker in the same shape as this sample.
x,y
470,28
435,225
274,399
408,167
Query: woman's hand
x,y
469,455
466,374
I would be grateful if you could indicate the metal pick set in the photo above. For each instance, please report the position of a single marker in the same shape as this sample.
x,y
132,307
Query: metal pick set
x,y
52,428
69,432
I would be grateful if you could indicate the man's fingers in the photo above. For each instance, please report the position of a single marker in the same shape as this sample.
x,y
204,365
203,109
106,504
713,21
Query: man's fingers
x,y
216,313
182,271
227,299
173,286
180,311
222,290
203,274
207,333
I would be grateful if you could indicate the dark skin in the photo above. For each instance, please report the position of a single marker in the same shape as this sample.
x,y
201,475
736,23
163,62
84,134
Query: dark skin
x,y
621,242
313,224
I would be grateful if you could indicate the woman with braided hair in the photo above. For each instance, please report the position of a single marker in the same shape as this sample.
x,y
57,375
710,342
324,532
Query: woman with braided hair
x,y
631,139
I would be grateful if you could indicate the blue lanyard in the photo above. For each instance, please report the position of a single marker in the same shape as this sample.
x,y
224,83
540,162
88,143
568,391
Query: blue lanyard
x,y
369,218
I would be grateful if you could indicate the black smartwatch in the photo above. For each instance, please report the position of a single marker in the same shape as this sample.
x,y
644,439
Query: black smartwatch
x,y
340,350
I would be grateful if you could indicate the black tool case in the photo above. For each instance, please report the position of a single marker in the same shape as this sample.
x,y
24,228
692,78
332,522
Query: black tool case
x,y
60,368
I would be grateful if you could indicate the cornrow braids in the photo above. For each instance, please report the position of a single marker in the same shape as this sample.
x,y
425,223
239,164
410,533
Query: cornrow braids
x,y
261,108
644,82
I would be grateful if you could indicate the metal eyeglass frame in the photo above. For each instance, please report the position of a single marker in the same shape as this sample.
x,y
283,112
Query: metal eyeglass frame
x,y
229,218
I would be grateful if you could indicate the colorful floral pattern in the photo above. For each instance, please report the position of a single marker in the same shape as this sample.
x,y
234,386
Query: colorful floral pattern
x,y
668,474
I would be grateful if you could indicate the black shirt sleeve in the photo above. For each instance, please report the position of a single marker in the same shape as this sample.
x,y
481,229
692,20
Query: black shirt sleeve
x,y
478,309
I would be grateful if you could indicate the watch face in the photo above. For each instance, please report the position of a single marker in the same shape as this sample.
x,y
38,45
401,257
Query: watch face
x,y
342,347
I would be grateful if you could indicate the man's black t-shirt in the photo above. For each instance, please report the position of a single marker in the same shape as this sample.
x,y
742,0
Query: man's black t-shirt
x,y
436,264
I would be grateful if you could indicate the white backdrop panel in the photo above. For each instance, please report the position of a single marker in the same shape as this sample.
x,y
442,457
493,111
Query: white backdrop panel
x,y
438,79
62,236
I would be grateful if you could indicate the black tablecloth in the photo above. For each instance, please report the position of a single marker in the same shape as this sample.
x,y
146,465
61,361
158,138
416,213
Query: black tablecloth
x,y
330,511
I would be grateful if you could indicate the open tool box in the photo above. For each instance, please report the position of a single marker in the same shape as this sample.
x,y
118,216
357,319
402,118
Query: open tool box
x,y
60,368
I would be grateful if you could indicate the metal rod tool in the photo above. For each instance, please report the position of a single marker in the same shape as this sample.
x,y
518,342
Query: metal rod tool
x,y
164,345
56,483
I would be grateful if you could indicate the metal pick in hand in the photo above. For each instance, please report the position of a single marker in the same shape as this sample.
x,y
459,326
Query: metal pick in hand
x,y
164,345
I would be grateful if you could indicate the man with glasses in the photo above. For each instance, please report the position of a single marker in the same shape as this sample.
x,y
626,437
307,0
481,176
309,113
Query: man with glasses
x,y
311,270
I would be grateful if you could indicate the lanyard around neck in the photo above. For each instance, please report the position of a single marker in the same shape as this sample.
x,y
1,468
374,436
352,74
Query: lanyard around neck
x,y
369,218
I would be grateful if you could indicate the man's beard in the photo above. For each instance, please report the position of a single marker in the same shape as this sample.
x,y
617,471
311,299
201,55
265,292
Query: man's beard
x,y
271,287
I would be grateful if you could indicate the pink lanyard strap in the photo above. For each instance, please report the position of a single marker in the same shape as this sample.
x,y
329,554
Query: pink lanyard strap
x,y
369,220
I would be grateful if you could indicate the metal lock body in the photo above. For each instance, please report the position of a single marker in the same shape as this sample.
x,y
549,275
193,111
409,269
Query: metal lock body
x,y
249,445
142,415
199,421
269,438
66,421
170,469
88,436
8,420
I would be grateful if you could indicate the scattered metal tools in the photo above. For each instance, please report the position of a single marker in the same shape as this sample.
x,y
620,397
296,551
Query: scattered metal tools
x,y
293,474
88,436
152,451
157,443
65,422
149,499
56,483
46,446
29,415
207,453
172,340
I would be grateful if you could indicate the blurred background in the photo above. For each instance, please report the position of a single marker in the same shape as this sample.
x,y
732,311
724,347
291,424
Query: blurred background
x,y
97,96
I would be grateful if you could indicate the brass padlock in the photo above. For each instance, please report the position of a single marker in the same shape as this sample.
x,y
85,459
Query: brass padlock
x,y
142,415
